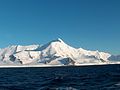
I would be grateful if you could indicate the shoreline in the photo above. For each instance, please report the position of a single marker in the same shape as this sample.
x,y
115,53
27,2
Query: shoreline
x,y
54,66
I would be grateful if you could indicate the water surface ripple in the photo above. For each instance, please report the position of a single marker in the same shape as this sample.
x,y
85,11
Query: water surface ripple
x,y
103,77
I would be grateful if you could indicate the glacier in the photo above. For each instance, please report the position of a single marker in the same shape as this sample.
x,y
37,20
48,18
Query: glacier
x,y
54,53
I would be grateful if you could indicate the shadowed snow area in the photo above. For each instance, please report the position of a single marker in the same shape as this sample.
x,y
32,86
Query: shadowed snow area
x,y
55,52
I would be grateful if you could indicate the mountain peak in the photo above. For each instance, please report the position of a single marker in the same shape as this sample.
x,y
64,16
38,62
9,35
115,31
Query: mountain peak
x,y
57,40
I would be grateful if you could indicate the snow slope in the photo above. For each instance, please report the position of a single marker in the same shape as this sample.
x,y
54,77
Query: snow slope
x,y
56,52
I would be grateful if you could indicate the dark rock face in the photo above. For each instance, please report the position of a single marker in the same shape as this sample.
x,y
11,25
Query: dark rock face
x,y
12,58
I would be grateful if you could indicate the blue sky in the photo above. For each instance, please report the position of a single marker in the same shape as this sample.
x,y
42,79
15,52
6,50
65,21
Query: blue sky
x,y
90,24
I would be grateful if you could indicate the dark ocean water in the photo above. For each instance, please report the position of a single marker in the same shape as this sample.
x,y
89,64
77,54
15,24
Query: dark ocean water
x,y
104,77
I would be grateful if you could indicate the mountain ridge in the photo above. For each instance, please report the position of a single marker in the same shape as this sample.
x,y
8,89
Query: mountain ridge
x,y
55,52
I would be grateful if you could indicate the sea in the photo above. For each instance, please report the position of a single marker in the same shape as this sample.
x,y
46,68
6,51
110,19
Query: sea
x,y
93,77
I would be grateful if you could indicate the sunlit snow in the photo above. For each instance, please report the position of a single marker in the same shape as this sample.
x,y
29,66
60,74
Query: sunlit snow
x,y
56,52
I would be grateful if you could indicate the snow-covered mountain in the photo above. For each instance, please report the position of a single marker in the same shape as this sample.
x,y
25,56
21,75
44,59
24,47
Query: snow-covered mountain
x,y
55,52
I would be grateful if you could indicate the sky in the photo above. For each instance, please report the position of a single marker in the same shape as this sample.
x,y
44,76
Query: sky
x,y
89,24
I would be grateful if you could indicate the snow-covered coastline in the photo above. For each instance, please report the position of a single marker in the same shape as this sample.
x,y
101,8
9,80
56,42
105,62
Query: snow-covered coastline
x,y
54,53
52,66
